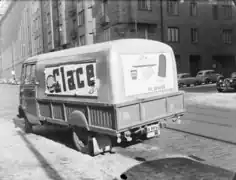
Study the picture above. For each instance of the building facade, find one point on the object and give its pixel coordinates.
(127, 19)
(201, 32)
(21, 36)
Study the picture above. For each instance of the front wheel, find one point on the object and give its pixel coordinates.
(28, 127)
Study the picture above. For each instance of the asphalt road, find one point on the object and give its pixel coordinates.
(209, 88)
(166, 157)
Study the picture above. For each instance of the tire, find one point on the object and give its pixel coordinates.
(28, 128)
(181, 85)
(81, 140)
(219, 90)
(207, 81)
(196, 83)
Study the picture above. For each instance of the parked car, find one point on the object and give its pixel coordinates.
(187, 79)
(225, 84)
(207, 76)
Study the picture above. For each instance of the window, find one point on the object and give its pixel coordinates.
(193, 8)
(107, 34)
(74, 24)
(49, 36)
(227, 11)
(82, 40)
(194, 35)
(144, 4)
(173, 34)
(215, 12)
(200, 73)
(81, 18)
(178, 62)
(104, 7)
(48, 18)
(29, 76)
(173, 7)
(227, 36)
(23, 73)
(186, 76)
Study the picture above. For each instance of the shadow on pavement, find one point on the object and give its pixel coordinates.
(49, 170)
(60, 134)
(54, 133)
(178, 168)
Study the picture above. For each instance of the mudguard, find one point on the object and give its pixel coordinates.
(32, 119)
(78, 119)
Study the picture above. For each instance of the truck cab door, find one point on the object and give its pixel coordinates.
(28, 93)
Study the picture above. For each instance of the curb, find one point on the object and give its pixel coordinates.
(212, 107)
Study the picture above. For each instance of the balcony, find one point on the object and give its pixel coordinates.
(72, 12)
(104, 20)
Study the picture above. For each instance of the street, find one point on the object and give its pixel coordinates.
(49, 154)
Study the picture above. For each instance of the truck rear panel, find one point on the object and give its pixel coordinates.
(149, 111)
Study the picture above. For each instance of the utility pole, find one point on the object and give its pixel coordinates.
(162, 21)
(13, 62)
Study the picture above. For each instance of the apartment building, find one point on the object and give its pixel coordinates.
(127, 19)
(200, 31)
(202, 34)
(37, 30)
(86, 22)
(13, 39)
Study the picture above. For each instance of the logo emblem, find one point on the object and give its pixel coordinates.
(52, 85)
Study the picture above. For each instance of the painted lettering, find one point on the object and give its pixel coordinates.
(70, 80)
(79, 72)
(56, 74)
(63, 78)
(90, 74)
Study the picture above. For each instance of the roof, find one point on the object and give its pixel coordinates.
(206, 70)
(120, 45)
(183, 73)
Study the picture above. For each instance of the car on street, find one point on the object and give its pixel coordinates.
(185, 79)
(207, 76)
(225, 84)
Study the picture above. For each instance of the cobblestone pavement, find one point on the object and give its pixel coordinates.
(46, 157)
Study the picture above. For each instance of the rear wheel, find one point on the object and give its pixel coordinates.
(219, 90)
(81, 139)
(207, 81)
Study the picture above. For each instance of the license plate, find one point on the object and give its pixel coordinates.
(152, 130)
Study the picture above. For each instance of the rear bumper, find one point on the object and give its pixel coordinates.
(140, 130)
(166, 119)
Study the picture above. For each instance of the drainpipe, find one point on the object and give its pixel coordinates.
(42, 26)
